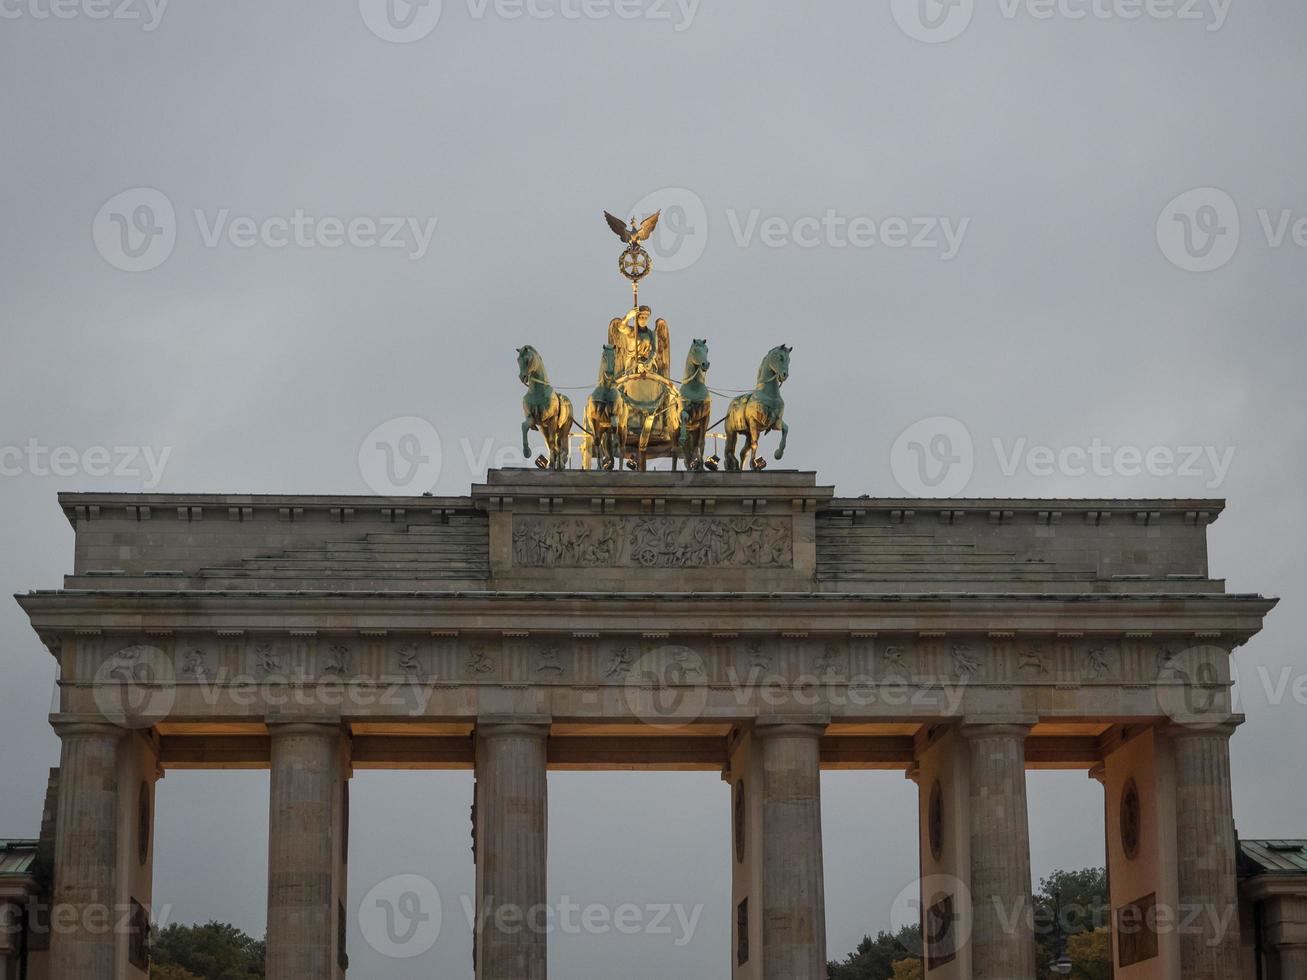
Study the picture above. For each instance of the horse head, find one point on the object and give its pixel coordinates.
(607, 366)
(776, 365)
(696, 361)
(529, 365)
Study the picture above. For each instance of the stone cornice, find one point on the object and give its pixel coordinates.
(1233, 618)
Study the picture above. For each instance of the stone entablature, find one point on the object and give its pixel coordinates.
(707, 532)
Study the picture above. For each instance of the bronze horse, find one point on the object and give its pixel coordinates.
(696, 405)
(762, 410)
(546, 411)
(601, 441)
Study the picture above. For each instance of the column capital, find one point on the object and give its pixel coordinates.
(1223, 728)
(72, 726)
(493, 726)
(319, 729)
(1013, 726)
(791, 726)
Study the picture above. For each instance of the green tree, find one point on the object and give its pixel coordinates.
(170, 972)
(214, 951)
(1082, 896)
(875, 959)
(1091, 955)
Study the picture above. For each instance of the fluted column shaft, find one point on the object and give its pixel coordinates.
(86, 853)
(1205, 841)
(1293, 962)
(511, 851)
(1002, 932)
(793, 879)
(307, 771)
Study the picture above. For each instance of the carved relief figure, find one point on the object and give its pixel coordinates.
(894, 658)
(128, 666)
(340, 662)
(688, 665)
(827, 663)
(759, 658)
(407, 659)
(195, 665)
(1033, 659)
(1096, 664)
(964, 664)
(480, 662)
(266, 660)
(547, 661)
(620, 663)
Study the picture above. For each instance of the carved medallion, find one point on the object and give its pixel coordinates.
(143, 824)
(741, 814)
(935, 821)
(1131, 820)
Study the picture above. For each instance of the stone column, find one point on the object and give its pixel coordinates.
(1002, 929)
(511, 850)
(1293, 962)
(793, 881)
(303, 850)
(83, 944)
(1206, 845)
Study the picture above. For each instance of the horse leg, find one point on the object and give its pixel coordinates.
(752, 447)
(785, 431)
(731, 464)
(526, 444)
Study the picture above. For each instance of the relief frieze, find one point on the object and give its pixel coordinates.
(653, 542)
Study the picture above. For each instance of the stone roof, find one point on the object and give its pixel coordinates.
(1272, 857)
(17, 858)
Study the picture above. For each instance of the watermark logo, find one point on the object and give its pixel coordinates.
(666, 687)
(136, 230)
(1199, 231)
(935, 457)
(401, 457)
(933, 21)
(136, 687)
(1191, 688)
(941, 905)
(401, 917)
(682, 234)
(401, 21)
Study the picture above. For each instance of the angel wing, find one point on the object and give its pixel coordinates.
(618, 226)
(615, 333)
(647, 227)
(663, 360)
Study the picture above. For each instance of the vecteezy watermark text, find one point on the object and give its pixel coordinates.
(137, 229)
(937, 457)
(149, 13)
(935, 233)
(34, 458)
(408, 21)
(939, 21)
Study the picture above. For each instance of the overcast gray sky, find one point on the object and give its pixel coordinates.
(978, 213)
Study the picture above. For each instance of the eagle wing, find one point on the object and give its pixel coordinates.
(647, 227)
(618, 226)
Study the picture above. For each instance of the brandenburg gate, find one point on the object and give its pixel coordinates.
(747, 623)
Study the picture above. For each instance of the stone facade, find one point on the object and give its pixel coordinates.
(752, 624)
